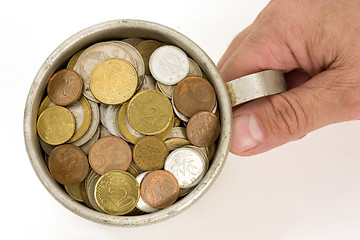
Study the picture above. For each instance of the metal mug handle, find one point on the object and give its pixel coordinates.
(256, 85)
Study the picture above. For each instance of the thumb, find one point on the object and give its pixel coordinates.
(266, 123)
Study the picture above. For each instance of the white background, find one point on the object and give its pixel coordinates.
(309, 189)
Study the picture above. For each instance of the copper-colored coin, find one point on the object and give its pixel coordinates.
(203, 129)
(150, 153)
(159, 189)
(194, 94)
(64, 87)
(109, 153)
(68, 164)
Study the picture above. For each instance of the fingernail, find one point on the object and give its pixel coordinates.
(246, 134)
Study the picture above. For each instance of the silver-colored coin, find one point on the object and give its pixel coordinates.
(169, 64)
(95, 119)
(95, 54)
(133, 41)
(77, 110)
(187, 165)
(194, 70)
(103, 131)
(103, 109)
(178, 132)
(46, 147)
(185, 191)
(142, 205)
(148, 83)
(167, 90)
(91, 190)
(140, 65)
(86, 146)
(109, 116)
(179, 114)
(132, 130)
(204, 151)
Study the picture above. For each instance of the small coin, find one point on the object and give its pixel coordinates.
(168, 90)
(159, 189)
(95, 119)
(109, 153)
(177, 121)
(194, 94)
(108, 118)
(167, 131)
(90, 189)
(194, 70)
(82, 113)
(73, 60)
(146, 48)
(178, 132)
(149, 112)
(203, 151)
(175, 143)
(150, 153)
(84, 195)
(133, 41)
(68, 164)
(75, 191)
(129, 133)
(203, 129)
(178, 113)
(169, 64)
(86, 146)
(64, 87)
(95, 54)
(132, 170)
(141, 205)
(56, 125)
(148, 83)
(117, 192)
(104, 131)
(113, 81)
(187, 165)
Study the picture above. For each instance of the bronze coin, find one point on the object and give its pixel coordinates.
(109, 153)
(159, 189)
(203, 129)
(150, 153)
(68, 164)
(194, 94)
(64, 87)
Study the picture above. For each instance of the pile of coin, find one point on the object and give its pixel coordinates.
(129, 127)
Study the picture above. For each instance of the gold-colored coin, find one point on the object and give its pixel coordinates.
(56, 125)
(117, 192)
(146, 48)
(150, 112)
(174, 143)
(75, 191)
(177, 121)
(123, 127)
(164, 135)
(132, 170)
(150, 153)
(74, 59)
(85, 124)
(83, 117)
(113, 81)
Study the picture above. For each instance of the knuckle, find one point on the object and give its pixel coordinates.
(286, 117)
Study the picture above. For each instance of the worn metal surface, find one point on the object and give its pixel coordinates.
(111, 31)
(256, 85)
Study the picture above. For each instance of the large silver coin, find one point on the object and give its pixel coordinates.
(187, 165)
(169, 64)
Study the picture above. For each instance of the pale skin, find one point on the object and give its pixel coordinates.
(317, 44)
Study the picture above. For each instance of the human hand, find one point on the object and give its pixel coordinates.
(316, 42)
